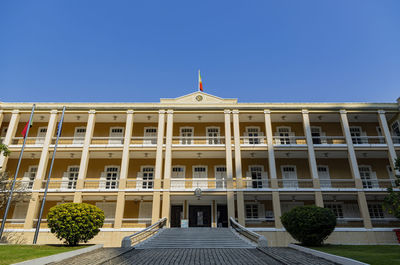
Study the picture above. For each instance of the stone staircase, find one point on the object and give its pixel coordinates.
(195, 238)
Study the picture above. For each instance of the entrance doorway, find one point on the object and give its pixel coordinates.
(222, 216)
(176, 215)
(199, 216)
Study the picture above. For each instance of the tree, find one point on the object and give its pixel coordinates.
(310, 225)
(75, 222)
(20, 191)
(392, 201)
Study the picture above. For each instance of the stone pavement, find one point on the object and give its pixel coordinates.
(272, 256)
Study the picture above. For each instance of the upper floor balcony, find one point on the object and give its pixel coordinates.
(208, 129)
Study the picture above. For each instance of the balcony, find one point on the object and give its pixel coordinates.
(347, 183)
(32, 141)
(396, 140)
(67, 141)
(198, 141)
(136, 222)
(107, 141)
(294, 184)
(194, 183)
(253, 140)
(290, 140)
(104, 185)
(329, 140)
(140, 184)
(368, 140)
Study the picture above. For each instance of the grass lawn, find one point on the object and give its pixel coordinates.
(16, 253)
(376, 254)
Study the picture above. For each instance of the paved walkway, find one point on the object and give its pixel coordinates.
(272, 256)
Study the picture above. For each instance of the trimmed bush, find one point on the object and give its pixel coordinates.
(310, 225)
(75, 222)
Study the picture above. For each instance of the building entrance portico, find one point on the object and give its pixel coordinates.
(208, 211)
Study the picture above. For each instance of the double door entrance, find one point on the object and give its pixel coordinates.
(199, 215)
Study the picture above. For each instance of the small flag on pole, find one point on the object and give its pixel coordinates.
(29, 123)
(200, 83)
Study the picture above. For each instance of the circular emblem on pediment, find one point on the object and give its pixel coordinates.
(199, 97)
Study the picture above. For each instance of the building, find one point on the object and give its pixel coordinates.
(203, 158)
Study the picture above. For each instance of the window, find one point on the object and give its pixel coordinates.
(284, 135)
(178, 172)
(186, 135)
(150, 135)
(148, 177)
(356, 135)
(199, 173)
(108, 209)
(29, 177)
(116, 135)
(72, 175)
(111, 177)
(251, 211)
(375, 211)
(316, 135)
(79, 135)
(337, 209)
(253, 135)
(324, 177)
(41, 135)
(289, 176)
(368, 177)
(213, 135)
(220, 176)
(391, 175)
(3, 132)
(256, 174)
(396, 132)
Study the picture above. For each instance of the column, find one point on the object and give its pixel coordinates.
(167, 167)
(388, 137)
(83, 166)
(12, 128)
(41, 172)
(362, 201)
(311, 159)
(238, 168)
(119, 209)
(276, 206)
(1, 117)
(229, 170)
(271, 153)
(155, 216)
(350, 149)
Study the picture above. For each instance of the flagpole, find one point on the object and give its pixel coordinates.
(198, 81)
(48, 178)
(3, 223)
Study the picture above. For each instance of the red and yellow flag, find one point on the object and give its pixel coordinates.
(200, 83)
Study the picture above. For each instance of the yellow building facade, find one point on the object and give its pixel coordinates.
(203, 159)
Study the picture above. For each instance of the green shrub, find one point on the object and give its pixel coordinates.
(310, 225)
(75, 222)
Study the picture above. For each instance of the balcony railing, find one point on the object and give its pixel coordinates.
(295, 183)
(350, 222)
(396, 139)
(253, 140)
(136, 222)
(194, 183)
(68, 140)
(337, 183)
(290, 140)
(101, 184)
(58, 184)
(29, 141)
(368, 140)
(140, 184)
(329, 140)
(102, 141)
(198, 140)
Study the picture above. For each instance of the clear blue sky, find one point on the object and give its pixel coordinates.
(256, 51)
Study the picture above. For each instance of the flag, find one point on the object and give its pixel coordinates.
(200, 83)
(29, 123)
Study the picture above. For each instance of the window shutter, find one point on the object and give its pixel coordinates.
(261, 210)
(139, 180)
(64, 180)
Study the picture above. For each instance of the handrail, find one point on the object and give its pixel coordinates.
(137, 237)
(260, 240)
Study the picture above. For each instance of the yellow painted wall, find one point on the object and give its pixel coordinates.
(368, 127)
(25, 164)
(296, 127)
(302, 167)
(329, 128)
(377, 165)
(338, 168)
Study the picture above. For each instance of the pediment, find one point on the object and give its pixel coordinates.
(199, 97)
